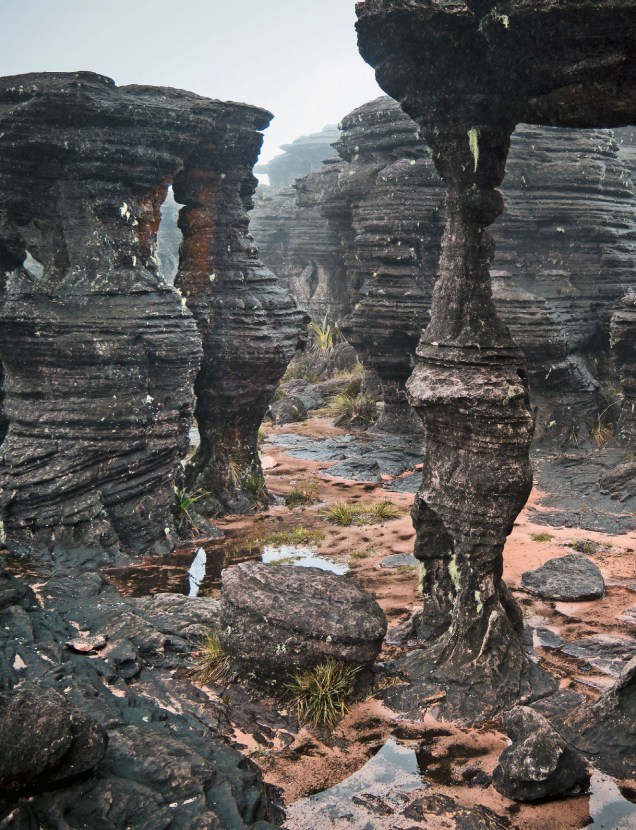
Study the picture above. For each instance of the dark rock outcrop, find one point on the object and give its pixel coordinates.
(539, 764)
(167, 763)
(99, 353)
(571, 578)
(296, 242)
(249, 324)
(467, 75)
(605, 731)
(45, 741)
(278, 619)
(564, 251)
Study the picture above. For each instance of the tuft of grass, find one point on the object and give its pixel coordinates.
(541, 537)
(321, 694)
(255, 486)
(297, 536)
(212, 661)
(406, 569)
(284, 560)
(185, 501)
(345, 514)
(352, 410)
(588, 546)
(322, 335)
(342, 513)
(382, 511)
(303, 494)
(359, 554)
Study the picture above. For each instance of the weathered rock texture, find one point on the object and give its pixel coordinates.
(249, 324)
(606, 730)
(302, 156)
(384, 198)
(565, 249)
(539, 764)
(467, 75)
(276, 620)
(99, 353)
(294, 240)
(168, 762)
(572, 578)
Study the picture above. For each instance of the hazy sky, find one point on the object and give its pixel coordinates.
(296, 58)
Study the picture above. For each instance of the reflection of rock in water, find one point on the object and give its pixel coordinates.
(196, 573)
(169, 238)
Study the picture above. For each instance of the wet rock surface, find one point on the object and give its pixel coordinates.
(539, 764)
(451, 68)
(166, 763)
(361, 460)
(276, 620)
(571, 578)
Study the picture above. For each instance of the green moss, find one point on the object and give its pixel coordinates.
(453, 572)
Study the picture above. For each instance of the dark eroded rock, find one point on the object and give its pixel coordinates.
(569, 578)
(45, 740)
(276, 619)
(539, 764)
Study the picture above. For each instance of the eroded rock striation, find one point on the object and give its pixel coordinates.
(565, 248)
(467, 75)
(99, 353)
(294, 240)
(249, 324)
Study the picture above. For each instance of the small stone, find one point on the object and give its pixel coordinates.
(399, 560)
(288, 410)
(539, 764)
(572, 578)
(85, 645)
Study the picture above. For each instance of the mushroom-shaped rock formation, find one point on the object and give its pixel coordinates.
(565, 249)
(300, 157)
(249, 324)
(99, 354)
(275, 620)
(467, 73)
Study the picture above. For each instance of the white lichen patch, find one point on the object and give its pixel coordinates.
(212, 277)
(480, 604)
(3, 533)
(148, 399)
(124, 211)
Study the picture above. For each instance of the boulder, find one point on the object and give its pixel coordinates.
(277, 619)
(539, 764)
(570, 578)
(45, 740)
(288, 410)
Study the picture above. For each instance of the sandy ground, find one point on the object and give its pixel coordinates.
(317, 760)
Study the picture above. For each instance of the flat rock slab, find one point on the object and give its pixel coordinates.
(607, 654)
(275, 620)
(572, 578)
(360, 459)
(407, 484)
(399, 560)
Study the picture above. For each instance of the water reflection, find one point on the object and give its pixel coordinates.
(196, 574)
(302, 557)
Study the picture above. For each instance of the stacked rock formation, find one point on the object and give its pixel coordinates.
(468, 74)
(100, 354)
(294, 240)
(249, 323)
(564, 254)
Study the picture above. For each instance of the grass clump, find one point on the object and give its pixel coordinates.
(304, 494)
(352, 410)
(342, 513)
(321, 694)
(541, 537)
(345, 514)
(212, 661)
(359, 554)
(297, 536)
(255, 486)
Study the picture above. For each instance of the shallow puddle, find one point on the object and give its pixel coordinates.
(198, 573)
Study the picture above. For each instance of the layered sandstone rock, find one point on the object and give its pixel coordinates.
(564, 252)
(249, 324)
(99, 353)
(468, 74)
(294, 240)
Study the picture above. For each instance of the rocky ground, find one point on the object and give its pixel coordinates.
(122, 642)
